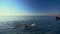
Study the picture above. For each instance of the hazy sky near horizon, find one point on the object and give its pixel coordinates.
(29, 7)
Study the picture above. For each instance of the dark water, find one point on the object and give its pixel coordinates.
(44, 25)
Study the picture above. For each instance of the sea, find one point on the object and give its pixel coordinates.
(43, 25)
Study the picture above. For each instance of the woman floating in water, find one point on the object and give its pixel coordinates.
(31, 25)
(25, 25)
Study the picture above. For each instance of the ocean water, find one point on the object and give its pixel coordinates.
(44, 25)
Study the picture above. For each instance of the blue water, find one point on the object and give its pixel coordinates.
(44, 25)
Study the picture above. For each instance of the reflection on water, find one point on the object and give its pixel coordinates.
(44, 25)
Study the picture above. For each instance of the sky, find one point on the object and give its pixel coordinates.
(29, 7)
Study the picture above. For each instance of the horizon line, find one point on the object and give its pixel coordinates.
(29, 15)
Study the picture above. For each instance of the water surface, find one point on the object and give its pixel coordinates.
(44, 25)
